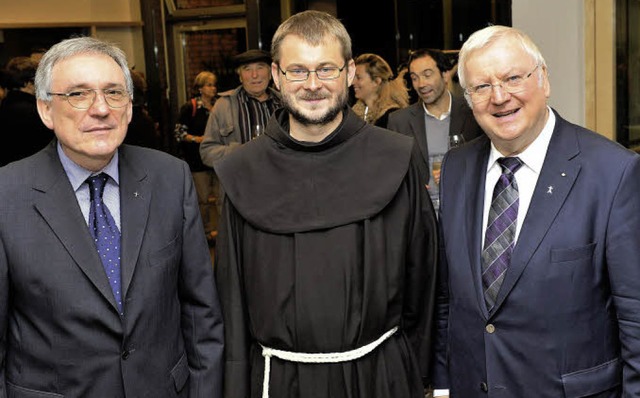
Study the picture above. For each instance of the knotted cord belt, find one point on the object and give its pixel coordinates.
(305, 357)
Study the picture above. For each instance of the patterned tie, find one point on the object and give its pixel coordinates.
(501, 230)
(105, 233)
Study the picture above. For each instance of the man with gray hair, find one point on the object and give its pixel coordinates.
(106, 284)
(540, 246)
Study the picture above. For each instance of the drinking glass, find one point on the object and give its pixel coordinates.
(258, 130)
(436, 165)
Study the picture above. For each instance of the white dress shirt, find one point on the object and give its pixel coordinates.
(526, 178)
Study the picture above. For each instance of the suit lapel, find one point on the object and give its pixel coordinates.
(475, 175)
(135, 197)
(58, 206)
(419, 128)
(560, 172)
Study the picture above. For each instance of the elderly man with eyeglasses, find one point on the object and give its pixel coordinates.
(327, 247)
(540, 272)
(106, 285)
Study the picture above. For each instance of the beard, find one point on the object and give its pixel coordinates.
(330, 115)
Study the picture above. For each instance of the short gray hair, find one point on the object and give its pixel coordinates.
(72, 47)
(489, 35)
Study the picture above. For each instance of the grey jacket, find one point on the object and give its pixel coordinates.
(221, 136)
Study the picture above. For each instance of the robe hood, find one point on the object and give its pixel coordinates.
(282, 185)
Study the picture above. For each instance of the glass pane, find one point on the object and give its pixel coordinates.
(213, 50)
(189, 4)
(628, 70)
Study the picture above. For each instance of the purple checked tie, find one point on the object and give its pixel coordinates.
(105, 234)
(501, 230)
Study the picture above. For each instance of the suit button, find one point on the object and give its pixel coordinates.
(484, 387)
(125, 355)
(490, 328)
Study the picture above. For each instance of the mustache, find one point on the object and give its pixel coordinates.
(313, 96)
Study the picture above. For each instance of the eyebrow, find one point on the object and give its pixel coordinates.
(85, 86)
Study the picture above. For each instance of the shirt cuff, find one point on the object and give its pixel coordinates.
(440, 393)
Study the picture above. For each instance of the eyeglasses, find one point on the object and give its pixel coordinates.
(83, 99)
(324, 73)
(511, 84)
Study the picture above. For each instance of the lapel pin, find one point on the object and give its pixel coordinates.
(136, 194)
(550, 189)
(563, 174)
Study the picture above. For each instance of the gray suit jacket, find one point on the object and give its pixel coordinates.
(63, 334)
(566, 321)
(410, 121)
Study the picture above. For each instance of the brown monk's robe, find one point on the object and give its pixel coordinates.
(323, 247)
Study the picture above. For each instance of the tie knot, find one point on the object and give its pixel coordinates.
(512, 164)
(96, 184)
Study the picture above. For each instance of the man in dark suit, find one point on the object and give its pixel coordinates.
(133, 313)
(436, 117)
(540, 281)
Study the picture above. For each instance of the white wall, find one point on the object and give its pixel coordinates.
(556, 26)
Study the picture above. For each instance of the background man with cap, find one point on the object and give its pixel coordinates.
(237, 112)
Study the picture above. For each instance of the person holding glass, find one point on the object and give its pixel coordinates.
(237, 112)
(436, 117)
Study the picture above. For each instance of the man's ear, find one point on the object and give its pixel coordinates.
(275, 71)
(447, 76)
(44, 110)
(351, 72)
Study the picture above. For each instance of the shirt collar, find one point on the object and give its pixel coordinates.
(243, 96)
(78, 175)
(444, 115)
(533, 156)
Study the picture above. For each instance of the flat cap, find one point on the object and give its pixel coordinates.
(251, 56)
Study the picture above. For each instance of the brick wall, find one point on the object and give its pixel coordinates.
(213, 50)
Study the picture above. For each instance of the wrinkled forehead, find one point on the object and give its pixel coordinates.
(87, 68)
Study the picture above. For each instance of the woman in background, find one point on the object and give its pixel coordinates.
(377, 92)
(188, 131)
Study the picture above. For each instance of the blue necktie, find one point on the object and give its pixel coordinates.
(501, 230)
(106, 235)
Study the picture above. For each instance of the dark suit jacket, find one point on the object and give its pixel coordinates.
(566, 322)
(64, 336)
(410, 121)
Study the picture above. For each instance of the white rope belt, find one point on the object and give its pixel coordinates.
(306, 357)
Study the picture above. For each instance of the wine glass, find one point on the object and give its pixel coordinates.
(456, 140)
(258, 130)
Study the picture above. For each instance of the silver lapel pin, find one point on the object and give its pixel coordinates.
(136, 194)
(550, 189)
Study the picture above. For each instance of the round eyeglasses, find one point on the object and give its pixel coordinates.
(83, 99)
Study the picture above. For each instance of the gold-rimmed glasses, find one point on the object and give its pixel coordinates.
(84, 98)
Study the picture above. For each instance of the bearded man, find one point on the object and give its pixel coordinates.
(327, 244)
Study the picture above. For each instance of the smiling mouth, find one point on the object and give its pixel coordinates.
(506, 113)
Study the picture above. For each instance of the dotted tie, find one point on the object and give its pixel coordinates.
(105, 234)
(501, 230)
